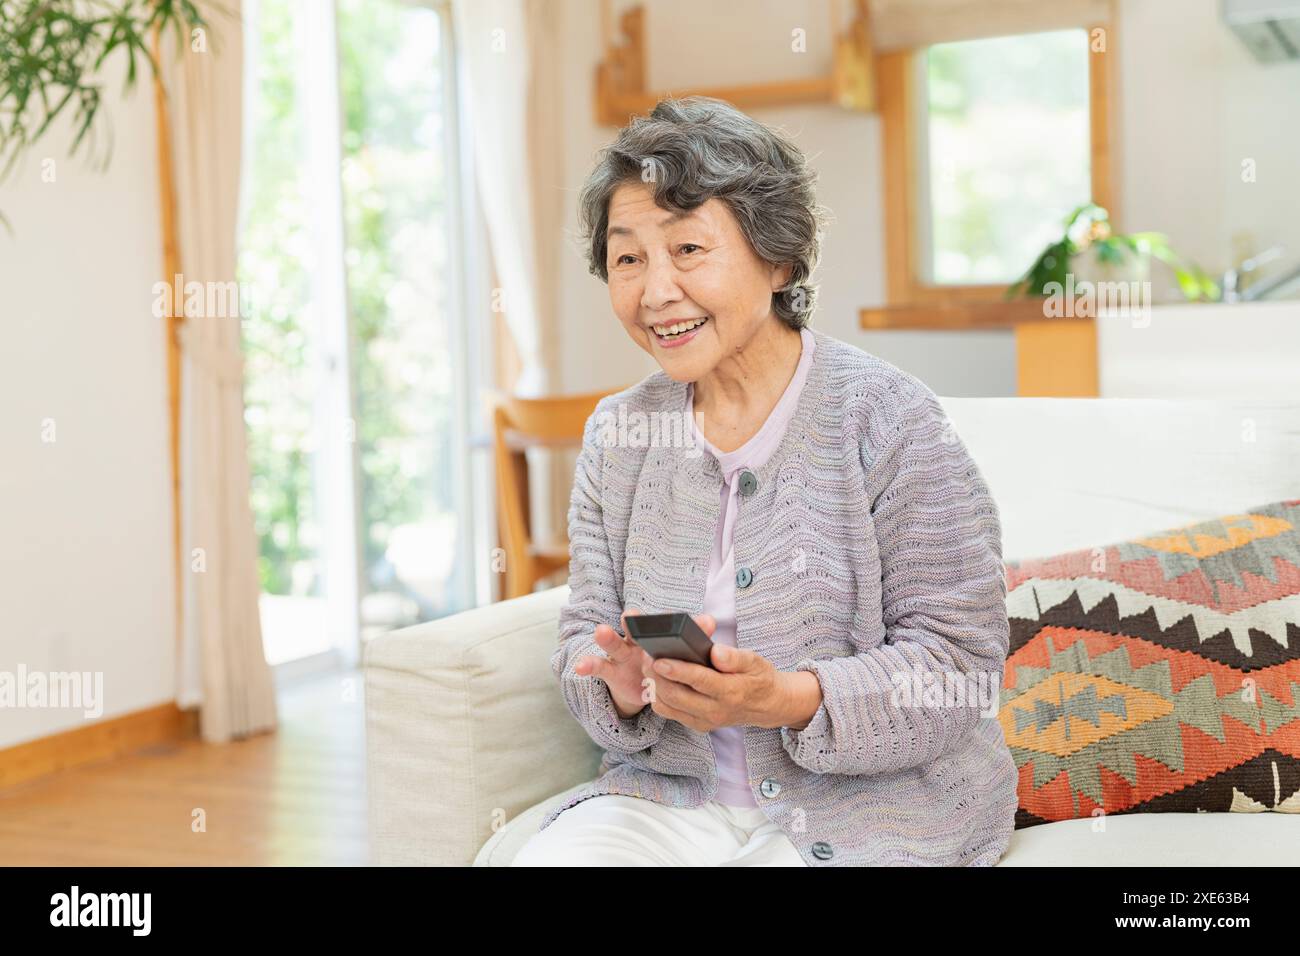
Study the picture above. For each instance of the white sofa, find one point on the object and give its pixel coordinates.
(469, 742)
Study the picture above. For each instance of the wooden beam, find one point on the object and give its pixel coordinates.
(1100, 80)
(897, 174)
(853, 70)
(171, 263)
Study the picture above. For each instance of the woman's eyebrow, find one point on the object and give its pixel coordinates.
(663, 223)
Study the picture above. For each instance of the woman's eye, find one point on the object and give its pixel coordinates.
(628, 259)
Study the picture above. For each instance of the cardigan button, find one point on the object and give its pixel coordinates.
(769, 787)
(822, 850)
(744, 578)
(748, 483)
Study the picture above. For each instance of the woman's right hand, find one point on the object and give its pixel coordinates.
(622, 671)
(627, 669)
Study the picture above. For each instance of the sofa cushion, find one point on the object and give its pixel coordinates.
(1163, 839)
(1159, 674)
(1172, 839)
(1071, 473)
(465, 728)
(502, 846)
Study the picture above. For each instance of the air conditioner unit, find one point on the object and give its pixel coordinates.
(1269, 28)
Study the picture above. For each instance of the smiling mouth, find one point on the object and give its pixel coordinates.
(671, 330)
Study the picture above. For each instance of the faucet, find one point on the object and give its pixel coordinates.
(1265, 289)
(1231, 281)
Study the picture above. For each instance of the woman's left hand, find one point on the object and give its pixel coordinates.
(742, 688)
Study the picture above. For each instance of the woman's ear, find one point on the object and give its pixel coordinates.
(781, 276)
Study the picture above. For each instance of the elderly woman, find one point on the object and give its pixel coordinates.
(821, 522)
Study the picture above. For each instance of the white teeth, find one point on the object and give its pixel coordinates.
(678, 327)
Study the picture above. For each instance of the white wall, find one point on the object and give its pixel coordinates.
(85, 521)
(1193, 103)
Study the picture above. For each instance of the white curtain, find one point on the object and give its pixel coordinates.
(497, 54)
(222, 665)
(508, 53)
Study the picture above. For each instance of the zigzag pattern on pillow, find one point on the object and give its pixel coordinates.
(1159, 674)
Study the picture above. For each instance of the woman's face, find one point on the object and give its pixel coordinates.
(672, 270)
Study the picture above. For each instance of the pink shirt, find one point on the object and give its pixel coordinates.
(720, 590)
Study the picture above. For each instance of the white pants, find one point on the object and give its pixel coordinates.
(618, 830)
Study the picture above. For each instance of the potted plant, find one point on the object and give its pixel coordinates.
(1091, 251)
(51, 52)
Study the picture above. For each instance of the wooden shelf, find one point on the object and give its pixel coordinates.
(954, 316)
(1054, 357)
(621, 88)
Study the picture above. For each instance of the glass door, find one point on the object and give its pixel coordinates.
(358, 390)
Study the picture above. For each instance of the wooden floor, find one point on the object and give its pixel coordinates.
(294, 797)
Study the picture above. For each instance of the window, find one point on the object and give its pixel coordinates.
(1004, 152)
(358, 384)
(994, 142)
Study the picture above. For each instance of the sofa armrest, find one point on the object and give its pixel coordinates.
(465, 729)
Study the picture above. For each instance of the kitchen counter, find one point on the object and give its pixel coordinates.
(1214, 351)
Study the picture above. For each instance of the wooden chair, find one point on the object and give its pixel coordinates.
(520, 424)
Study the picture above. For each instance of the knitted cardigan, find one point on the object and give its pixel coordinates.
(875, 556)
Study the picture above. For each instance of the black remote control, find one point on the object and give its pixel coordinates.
(675, 636)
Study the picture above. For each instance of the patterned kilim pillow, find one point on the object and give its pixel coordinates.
(1159, 674)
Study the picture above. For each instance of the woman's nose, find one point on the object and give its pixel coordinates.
(661, 286)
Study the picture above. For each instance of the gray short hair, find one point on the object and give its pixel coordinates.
(697, 148)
